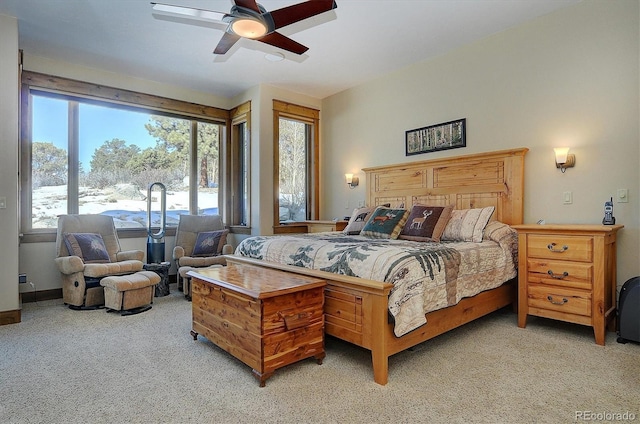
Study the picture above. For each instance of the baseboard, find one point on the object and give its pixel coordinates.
(10, 317)
(39, 295)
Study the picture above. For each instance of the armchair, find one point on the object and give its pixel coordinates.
(201, 241)
(88, 249)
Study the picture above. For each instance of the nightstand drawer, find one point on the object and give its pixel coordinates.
(577, 275)
(560, 247)
(559, 299)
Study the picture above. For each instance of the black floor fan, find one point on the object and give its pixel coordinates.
(155, 241)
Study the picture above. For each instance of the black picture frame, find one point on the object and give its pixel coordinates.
(444, 136)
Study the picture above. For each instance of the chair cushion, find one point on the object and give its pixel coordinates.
(210, 243)
(88, 246)
(112, 268)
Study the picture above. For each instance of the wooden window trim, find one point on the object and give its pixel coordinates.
(35, 81)
(310, 116)
(239, 115)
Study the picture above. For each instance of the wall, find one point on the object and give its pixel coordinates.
(570, 78)
(125, 82)
(9, 300)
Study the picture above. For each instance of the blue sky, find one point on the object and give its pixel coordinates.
(97, 125)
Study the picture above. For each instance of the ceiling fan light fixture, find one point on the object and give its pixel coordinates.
(248, 28)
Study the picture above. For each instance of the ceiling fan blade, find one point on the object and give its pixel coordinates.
(202, 14)
(248, 4)
(298, 12)
(278, 40)
(226, 42)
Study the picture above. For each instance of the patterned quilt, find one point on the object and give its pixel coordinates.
(426, 276)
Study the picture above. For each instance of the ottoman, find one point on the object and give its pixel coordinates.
(129, 294)
(186, 279)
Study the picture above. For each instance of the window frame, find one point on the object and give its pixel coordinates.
(239, 162)
(311, 117)
(74, 90)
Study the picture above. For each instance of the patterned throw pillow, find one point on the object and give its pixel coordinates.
(210, 243)
(357, 220)
(467, 224)
(385, 223)
(89, 247)
(426, 223)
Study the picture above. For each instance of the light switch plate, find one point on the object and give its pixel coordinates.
(623, 195)
(567, 197)
(3, 202)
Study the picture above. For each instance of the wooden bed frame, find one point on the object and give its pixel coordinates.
(356, 310)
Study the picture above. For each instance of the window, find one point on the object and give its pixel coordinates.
(88, 155)
(296, 162)
(239, 151)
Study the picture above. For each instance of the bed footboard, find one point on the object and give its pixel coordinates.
(356, 311)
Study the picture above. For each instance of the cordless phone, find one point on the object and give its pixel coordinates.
(608, 219)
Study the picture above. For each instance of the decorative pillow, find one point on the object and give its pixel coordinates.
(357, 220)
(467, 224)
(89, 247)
(210, 243)
(497, 231)
(426, 223)
(385, 223)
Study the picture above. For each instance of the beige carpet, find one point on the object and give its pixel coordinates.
(64, 366)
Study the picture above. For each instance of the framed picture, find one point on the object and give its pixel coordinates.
(448, 135)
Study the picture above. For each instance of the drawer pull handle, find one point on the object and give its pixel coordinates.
(558, 276)
(291, 322)
(552, 248)
(550, 299)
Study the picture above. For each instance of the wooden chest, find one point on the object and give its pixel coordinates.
(568, 273)
(265, 318)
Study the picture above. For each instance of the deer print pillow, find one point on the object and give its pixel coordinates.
(385, 223)
(426, 223)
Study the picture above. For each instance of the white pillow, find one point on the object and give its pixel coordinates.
(467, 224)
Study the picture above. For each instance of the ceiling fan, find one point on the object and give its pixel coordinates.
(248, 19)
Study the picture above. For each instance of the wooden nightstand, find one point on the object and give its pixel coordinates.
(322, 226)
(309, 227)
(568, 273)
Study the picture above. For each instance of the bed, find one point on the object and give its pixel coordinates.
(360, 306)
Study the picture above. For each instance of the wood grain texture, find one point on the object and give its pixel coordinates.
(568, 273)
(356, 309)
(265, 318)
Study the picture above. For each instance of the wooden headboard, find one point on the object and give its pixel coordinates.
(470, 181)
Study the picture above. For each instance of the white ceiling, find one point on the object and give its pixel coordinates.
(357, 42)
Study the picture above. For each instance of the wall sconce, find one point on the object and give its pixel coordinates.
(352, 181)
(564, 160)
